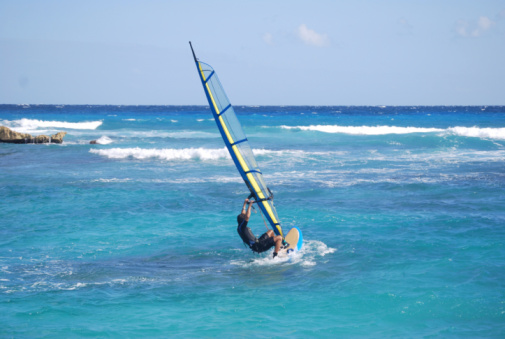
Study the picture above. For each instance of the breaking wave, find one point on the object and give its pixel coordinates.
(485, 133)
(29, 125)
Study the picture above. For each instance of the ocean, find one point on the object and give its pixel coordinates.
(401, 209)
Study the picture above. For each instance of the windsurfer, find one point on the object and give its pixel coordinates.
(265, 242)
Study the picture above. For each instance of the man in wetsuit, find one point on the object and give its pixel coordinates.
(265, 242)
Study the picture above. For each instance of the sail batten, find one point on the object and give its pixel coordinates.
(236, 142)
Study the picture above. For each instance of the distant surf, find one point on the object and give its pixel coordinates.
(485, 133)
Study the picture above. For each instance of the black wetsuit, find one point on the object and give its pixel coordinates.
(264, 243)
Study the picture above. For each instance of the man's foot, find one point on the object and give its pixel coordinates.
(285, 244)
(275, 254)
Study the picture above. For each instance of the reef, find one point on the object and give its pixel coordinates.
(9, 136)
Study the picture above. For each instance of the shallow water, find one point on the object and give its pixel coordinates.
(401, 210)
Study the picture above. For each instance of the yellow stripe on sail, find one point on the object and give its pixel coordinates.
(240, 159)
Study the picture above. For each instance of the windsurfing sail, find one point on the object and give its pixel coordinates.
(236, 142)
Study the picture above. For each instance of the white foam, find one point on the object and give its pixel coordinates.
(164, 154)
(477, 132)
(318, 247)
(31, 125)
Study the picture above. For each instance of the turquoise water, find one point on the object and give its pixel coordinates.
(401, 210)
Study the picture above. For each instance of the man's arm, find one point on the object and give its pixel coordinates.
(248, 214)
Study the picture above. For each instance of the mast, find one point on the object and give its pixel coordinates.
(194, 56)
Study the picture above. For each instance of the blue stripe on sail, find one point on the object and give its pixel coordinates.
(238, 142)
(210, 76)
(225, 109)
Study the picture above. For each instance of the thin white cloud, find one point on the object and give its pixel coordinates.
(311, 37)
(404, 26)
(474, 29)
(268, 39)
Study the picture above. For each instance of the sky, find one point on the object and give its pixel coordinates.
(361, 52)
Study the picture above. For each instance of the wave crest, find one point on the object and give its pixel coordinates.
(476, 132)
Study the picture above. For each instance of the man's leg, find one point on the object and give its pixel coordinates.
(278, 244)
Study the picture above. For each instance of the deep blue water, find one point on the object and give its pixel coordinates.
(402, 210)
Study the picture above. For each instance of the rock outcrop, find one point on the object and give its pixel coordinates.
(10, 136)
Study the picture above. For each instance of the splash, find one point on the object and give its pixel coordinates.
(310, 254)
(104, 140)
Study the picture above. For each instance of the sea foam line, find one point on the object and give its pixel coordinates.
(163, 154)
(364, 130)
(485, 133)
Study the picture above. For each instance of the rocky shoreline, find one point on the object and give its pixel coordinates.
(9, 136)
